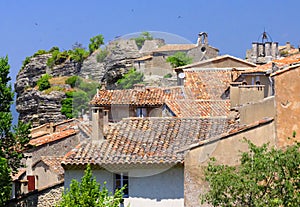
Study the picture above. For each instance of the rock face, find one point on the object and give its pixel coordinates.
(35, 106)
(38, 108)
(119, 60)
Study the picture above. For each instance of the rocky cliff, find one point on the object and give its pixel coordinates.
(39, 107)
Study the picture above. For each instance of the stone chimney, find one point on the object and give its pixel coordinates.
(202, 39)
(99, 123)
(288, 46)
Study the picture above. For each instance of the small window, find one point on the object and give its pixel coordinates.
(141, 112)
(120, 181)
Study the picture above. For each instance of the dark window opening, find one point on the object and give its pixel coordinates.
(120, 181)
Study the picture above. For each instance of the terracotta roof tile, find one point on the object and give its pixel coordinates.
(199, 108)
(175, 47)
(52, 137)
(147, 140)
(209, 83)
(137, 97)
(281, 63)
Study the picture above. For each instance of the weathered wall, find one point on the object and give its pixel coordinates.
(199, 53)
(226, 151)
(244, 94)
(250, 113)
(47, 197)
(287, 99)
(45, 175)
(147, 186)
(57, 148)
(264, 80)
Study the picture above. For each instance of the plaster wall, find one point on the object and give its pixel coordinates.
(287, 99)
(157, 187)
(226, 151)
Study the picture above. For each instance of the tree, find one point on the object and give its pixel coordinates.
(142, 38)
(129, 79)
(12, 142)
(43, 82)
(266, 177)
(179, 59)
(89, 193)
(95, 43)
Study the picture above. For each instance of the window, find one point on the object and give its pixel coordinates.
(141, 112)
(121, 180)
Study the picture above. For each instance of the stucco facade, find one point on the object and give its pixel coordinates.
(287, 99)
(149, 186)
(226, 150)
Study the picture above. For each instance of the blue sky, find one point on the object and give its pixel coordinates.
(27, 26)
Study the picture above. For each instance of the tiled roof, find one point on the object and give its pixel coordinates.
(18, 174)
(54, 163)
(52, 137)
(175, 47)
(209, 83)
(147, 141)
(137, 97)
(199, 108)
(212, 60)
(281, 63)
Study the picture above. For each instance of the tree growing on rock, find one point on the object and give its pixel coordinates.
(89, 193)
(266, 177)
(142, 38)
(95, 43)
(129, 79)
(12, 142)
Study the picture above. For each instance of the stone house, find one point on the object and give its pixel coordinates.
(155, 63)
(142, 153)
(263, 119)
(43, 169)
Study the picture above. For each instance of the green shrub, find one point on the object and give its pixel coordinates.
(78, 54)
(40, 52)
(179, 59)
(169, 75)
(74, 103)
(43, 83)
(73, 80)
(102, 55)
(53, 88)
(129, 79)
(53, 49)
(25, 62)
(95, 43)
(142, 38)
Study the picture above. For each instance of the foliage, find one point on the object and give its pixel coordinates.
(169, 75)
(43, 82)
(78, 54)
(95, 43)
(102, 55)
(142, 38)
(77, 100)
(89, 193)
(129, 79)
(266, 177)
(12, 143)
(179, 59)
(53, 88)
(73, 80)
(39, 52)
(25, 62)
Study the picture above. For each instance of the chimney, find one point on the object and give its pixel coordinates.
(103, 86)
(99, 123)
(288, 46)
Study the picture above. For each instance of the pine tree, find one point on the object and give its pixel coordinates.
(12, 142)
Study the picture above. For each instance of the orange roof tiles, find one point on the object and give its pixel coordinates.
(147, 97)
(52, 137)
(281, 63)
(209, 83)
(199, 108)
(175, 47)
(147, 140)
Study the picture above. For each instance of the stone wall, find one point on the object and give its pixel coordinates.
(47, 197)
